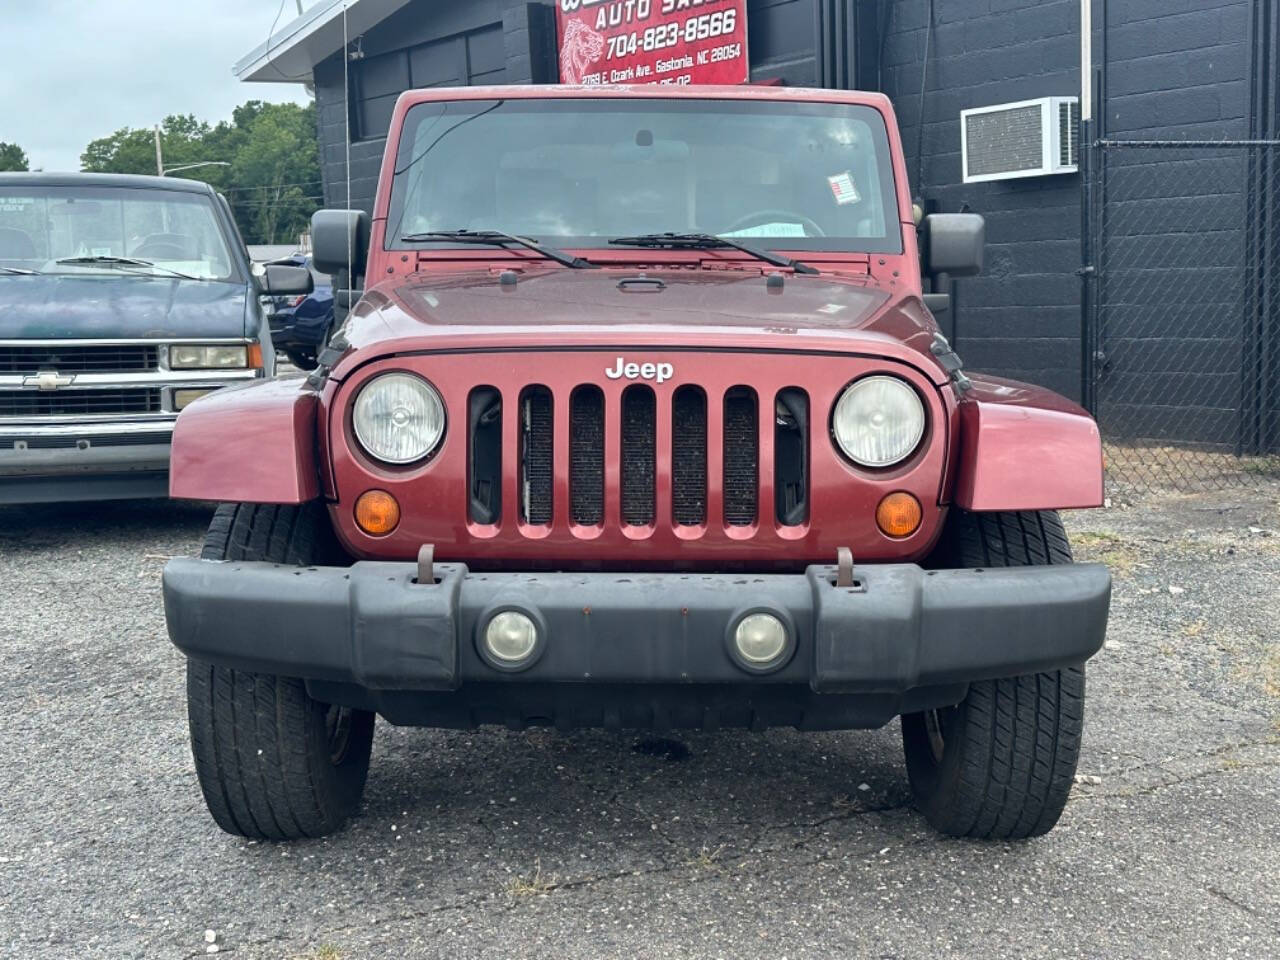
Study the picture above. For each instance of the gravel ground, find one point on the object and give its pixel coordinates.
(592, 845)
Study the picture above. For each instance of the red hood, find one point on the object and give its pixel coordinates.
(696, 308)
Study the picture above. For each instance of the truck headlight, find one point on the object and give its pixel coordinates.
(398, 418)
(878, 421)
(196, 356)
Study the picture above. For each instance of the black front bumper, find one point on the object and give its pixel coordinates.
(901, 635)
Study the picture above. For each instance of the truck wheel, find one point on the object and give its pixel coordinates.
(273, 763)
(999, 765)
(302, 357)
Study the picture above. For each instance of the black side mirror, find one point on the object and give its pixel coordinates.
(340, 239)
(280, 280)
(952, 243)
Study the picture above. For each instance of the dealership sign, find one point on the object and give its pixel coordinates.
(652, 41)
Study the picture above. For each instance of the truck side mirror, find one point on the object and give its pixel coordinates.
(340, 238)
(285, 280)
(952, 243)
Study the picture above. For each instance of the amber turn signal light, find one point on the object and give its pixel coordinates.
(377, 513)
(899, 515)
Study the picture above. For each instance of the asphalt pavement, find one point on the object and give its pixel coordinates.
(596, 845)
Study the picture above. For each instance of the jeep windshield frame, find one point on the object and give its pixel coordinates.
(578, 172)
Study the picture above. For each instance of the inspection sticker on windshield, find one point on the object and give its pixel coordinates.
(844, 188)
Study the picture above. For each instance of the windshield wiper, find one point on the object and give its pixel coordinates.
(20, 271)
(497, 238)
(709, 241)
(123, 263)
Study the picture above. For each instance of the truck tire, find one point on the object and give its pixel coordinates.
(273, 763)
(999, 765)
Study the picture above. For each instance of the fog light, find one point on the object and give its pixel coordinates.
(511, 638)
(761, 640)
(377, 513)
(184, 398)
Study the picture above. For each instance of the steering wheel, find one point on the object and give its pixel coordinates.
(759, 217)
(160, 250)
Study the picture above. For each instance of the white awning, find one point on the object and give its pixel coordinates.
(296, 47)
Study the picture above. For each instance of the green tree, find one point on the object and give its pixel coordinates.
(272, 181)
(277, 167)
(12, 157)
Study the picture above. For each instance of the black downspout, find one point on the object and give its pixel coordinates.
(1092, 178)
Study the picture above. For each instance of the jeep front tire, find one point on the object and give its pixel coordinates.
(1000, 764)
(274, 763)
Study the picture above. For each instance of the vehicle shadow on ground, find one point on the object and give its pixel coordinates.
(42, 525)
(614, 799)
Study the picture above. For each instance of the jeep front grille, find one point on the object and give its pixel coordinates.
(54, 403)
(67, 359)
(642, 428)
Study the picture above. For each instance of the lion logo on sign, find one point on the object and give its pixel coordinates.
(582, 47)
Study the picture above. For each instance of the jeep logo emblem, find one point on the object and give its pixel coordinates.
(659, 372)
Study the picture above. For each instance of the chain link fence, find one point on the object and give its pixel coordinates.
(1185, 331)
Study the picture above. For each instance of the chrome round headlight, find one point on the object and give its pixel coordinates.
(878, 421)
(398, 418)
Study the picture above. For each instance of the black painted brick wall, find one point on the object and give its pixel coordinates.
(530, 57)
(1176, 68)
(1021, 318)
(1173, 279)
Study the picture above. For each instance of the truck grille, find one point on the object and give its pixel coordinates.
(30, 360)
(641, 431)
(54, 403)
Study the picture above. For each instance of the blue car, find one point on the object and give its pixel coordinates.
(301, 326)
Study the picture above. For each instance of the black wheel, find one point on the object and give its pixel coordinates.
(303, 358)
(999, 765)
(273, 763)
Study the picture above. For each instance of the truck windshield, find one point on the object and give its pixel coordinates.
(578, 173)
(85, 227)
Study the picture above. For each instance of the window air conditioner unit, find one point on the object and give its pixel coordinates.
(1033, 138)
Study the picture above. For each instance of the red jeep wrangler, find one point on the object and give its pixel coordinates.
(641, 422)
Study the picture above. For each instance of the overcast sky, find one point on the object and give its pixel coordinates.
(75, 70)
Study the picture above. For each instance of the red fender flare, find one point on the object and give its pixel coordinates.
(1023, 447)
(250, 444)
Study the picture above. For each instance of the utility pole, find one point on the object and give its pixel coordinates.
(159, 154)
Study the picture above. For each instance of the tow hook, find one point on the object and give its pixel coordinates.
(427, 565)
(844, 568)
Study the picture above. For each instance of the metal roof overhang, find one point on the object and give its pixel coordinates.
(295, 48)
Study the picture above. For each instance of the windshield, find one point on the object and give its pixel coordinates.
(176, 231)
(783, 175)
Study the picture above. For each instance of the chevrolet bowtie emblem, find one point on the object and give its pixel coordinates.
(49, 380)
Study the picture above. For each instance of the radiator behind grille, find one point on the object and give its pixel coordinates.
(689, 457)
(639, 462)
(586, 456)
(536, 424)
(58, 403)
(76, 358)
(741, 457)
